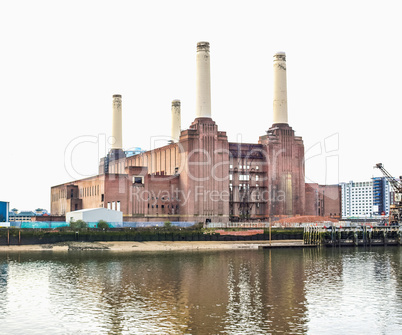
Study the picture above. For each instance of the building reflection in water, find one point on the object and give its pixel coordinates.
(230, 292)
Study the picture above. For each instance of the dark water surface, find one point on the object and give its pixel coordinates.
(290, 291)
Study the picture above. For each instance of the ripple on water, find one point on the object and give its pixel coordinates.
(243, 292)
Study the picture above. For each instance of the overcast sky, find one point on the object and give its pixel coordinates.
(61, 62)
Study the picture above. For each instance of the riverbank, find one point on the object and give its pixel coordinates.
(153, 246)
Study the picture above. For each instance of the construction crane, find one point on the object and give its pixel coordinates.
(395, 210)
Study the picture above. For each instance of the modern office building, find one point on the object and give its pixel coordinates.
(4, 209)
(382, 196)
(366, 199)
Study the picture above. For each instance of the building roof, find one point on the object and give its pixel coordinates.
(94, 209)
(24, 213)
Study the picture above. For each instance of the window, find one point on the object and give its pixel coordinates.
(138, 180)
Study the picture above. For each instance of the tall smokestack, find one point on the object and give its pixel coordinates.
(280, 92)
(176, 120)
(203, 81)
(117, 123)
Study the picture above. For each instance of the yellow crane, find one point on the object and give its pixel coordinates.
(395, 210)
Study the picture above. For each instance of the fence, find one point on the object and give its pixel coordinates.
(46, 236)
(59, 224)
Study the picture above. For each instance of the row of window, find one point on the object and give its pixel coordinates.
(243, 167)
(89, 191)
(242, 186)
(163, 206)
(114, 205)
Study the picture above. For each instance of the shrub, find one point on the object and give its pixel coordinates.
(78, 224)
(102, 224)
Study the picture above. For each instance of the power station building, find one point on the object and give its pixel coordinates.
(199, 176)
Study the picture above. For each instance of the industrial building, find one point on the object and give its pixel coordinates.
(323, 200)
(200, 176)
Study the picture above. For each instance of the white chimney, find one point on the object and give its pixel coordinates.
(117, 142)
(280, 107)
(176, 120)
(203, 81)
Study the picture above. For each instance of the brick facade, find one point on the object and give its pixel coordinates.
(202, 177)
(323, 200)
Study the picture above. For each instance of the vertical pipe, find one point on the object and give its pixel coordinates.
(176, 120)
(280, 101)
(203, 81)
(117, 123)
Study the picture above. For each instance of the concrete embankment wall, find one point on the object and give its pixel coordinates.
(45, 236)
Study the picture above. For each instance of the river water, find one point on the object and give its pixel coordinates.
(290, 291)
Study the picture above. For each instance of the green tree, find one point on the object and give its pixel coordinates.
(103, 224)
(167, 224)
(78, 224)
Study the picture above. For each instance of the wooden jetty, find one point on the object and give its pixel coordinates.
(352, 236)
(287, 244)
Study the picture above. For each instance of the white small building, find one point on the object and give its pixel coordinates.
(95, 215)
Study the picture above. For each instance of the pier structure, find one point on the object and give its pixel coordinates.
(352, 236)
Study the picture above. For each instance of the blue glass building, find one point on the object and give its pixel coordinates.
(381, 196)
(4, 211)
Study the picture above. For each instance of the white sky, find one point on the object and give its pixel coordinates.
(61, 62)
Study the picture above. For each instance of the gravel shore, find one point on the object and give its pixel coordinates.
(150, 246)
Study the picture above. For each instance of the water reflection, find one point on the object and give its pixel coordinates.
(310, 291)
(357, 291)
